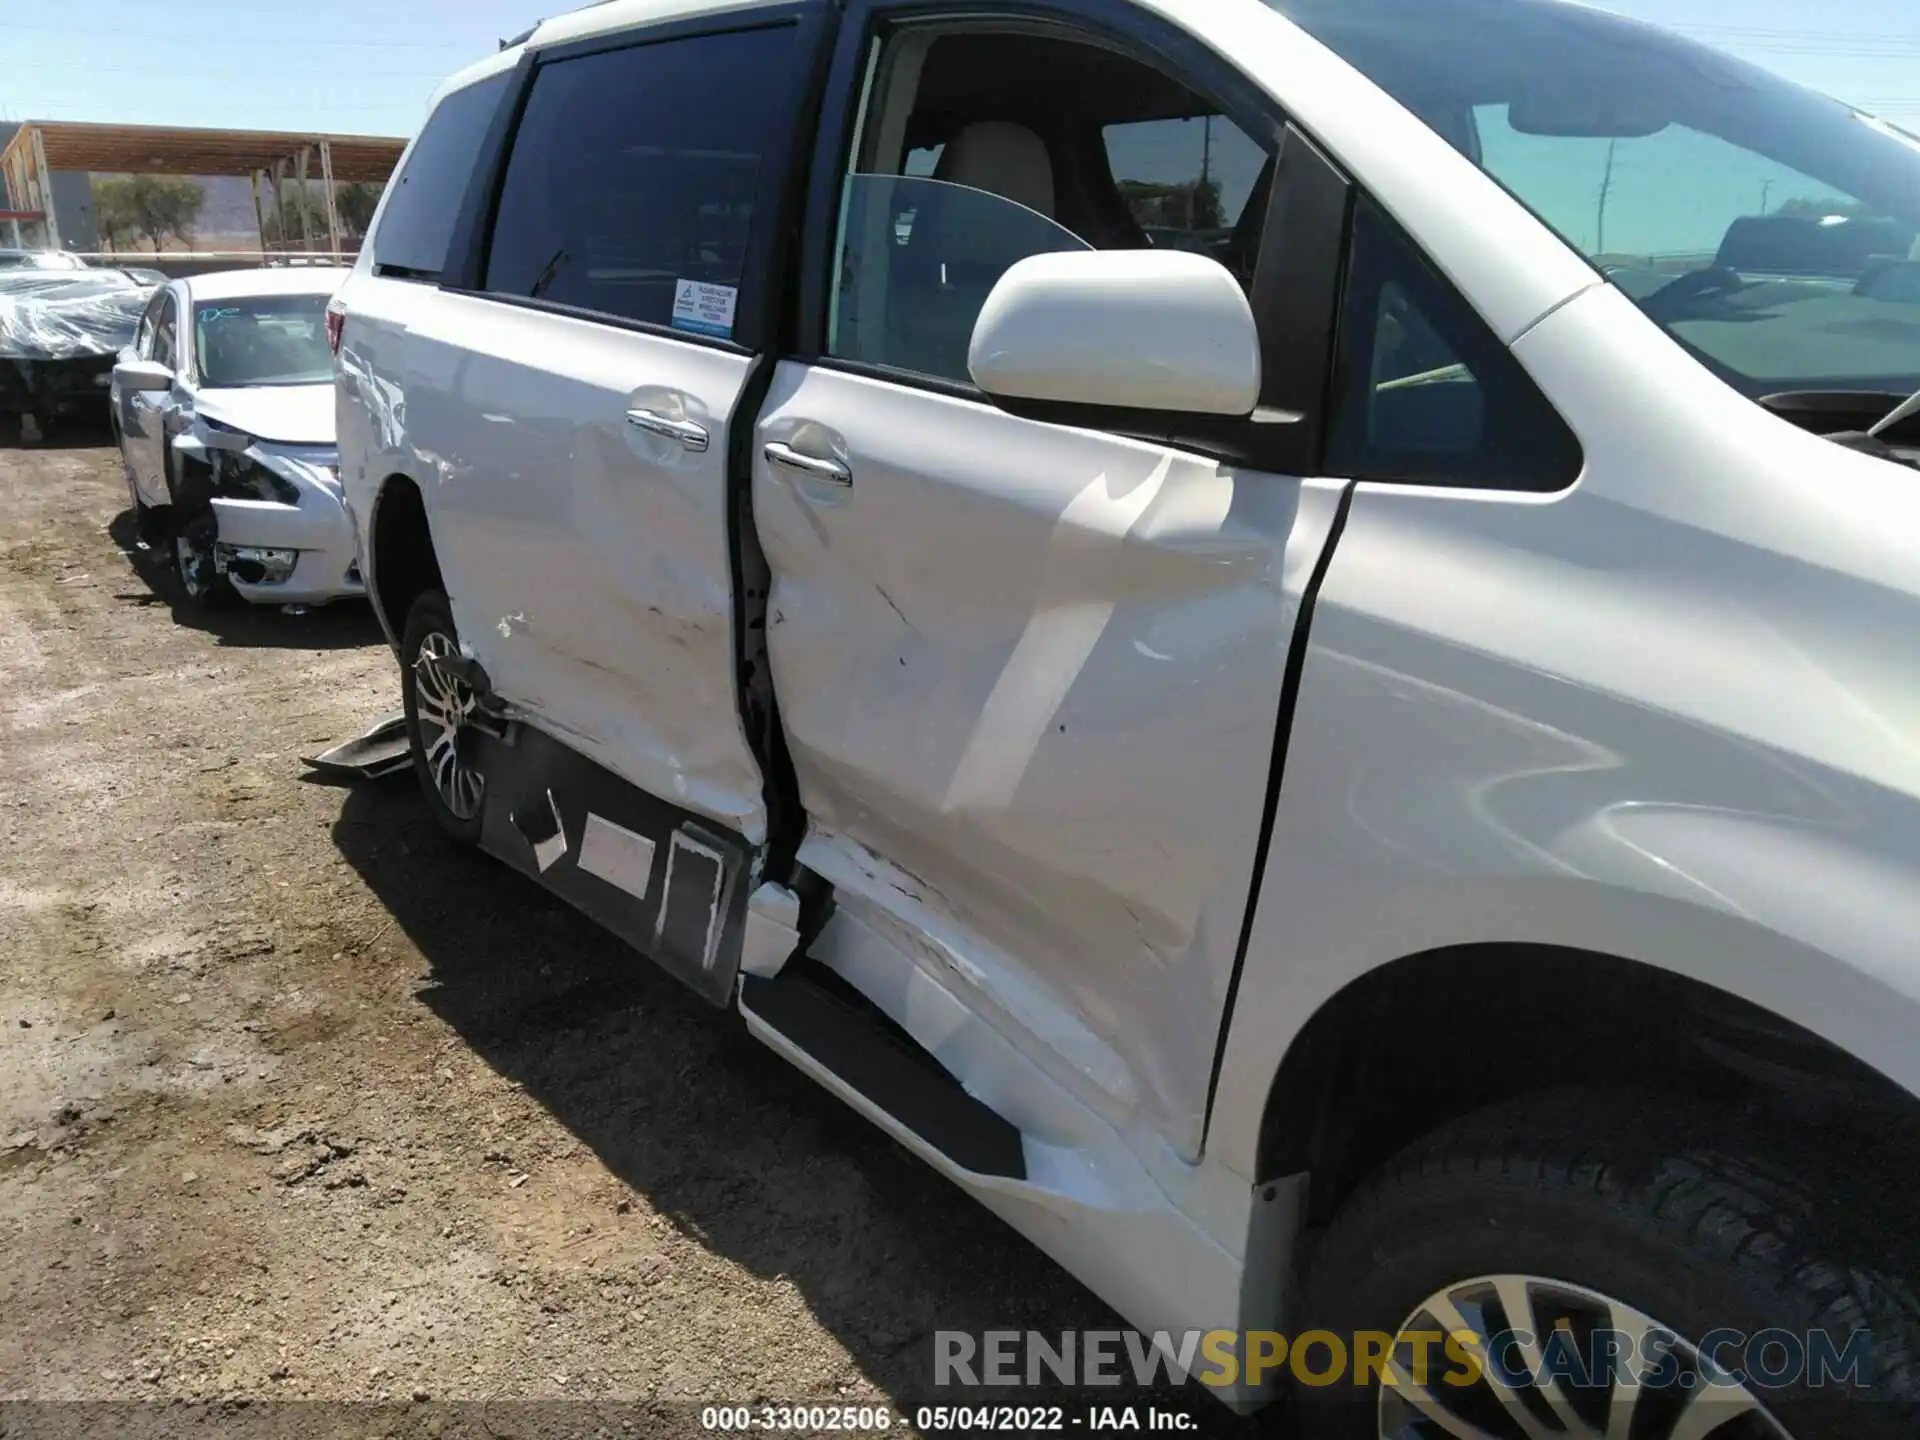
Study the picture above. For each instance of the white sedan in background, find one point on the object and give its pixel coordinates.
(223, 409)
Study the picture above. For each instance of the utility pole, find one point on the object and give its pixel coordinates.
(1606, 185)
(1206, 157)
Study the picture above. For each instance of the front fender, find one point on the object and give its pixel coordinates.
(1435, 797)
(1669, 714)
(1866, 1002)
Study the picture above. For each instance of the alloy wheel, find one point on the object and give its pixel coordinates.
(194, 562)
(445, 703)
(1555, 1361)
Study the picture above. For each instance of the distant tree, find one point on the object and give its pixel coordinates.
(1192, 205)
(154, 208)
(354, 203)
(112, 216)
(1207, 211)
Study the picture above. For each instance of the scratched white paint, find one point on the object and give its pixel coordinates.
(1052, 649)
(1035, 671)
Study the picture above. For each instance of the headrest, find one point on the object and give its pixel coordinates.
(1003, 159)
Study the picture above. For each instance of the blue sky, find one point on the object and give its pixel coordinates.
(367, 66)
(350, 66)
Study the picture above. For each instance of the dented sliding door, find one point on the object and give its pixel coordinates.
(1030, 677)
(577, 393)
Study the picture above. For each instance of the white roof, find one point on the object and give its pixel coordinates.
(599, 18)
(619, 14)
(276, 280)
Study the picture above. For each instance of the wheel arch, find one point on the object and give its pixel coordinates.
(401, 560)
(1428, 1037)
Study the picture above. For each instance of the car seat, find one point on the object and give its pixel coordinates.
(961, 245)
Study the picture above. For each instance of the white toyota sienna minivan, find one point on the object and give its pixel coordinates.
(1281, 634)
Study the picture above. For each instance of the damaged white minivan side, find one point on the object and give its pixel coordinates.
(1136, 584)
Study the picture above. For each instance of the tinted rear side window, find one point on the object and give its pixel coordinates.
(424, 200)
(630, 189)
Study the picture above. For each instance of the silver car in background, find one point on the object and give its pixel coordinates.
(223, 411)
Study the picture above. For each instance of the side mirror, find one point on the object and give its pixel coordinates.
(1119, 329)
(142, 375)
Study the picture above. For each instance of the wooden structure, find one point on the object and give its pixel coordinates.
(40, 149)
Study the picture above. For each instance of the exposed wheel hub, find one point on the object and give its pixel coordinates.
(445, 704)
(194, 562)
(1553, 1361)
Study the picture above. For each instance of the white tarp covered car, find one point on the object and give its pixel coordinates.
(61, 327)
(223, 409)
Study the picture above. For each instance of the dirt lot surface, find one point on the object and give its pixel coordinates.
(297, 1102)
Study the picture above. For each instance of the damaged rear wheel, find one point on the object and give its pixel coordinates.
(440, 707)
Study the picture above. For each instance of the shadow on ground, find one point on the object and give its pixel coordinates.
(723, 1138)
(69, 432)
(345, 624)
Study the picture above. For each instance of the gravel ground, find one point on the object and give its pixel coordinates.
(298, 1103)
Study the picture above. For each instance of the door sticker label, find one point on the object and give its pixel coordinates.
(702, 308)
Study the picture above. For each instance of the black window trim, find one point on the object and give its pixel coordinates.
(761, 281)
(1381, 471)
(604, 318)
(169, 310)
(1295, 381)
(149, 324)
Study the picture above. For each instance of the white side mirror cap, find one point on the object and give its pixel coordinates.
(142, 375)
(1120, 329)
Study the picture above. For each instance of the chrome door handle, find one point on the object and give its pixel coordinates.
(834, 472)
(685, 432)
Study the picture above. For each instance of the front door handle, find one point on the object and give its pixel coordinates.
(693, 437)
(834, 472)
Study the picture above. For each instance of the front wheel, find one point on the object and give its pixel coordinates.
(1585, 1266)
(440, 707)
(201, 584)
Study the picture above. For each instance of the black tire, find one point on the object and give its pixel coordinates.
(430, 617)
(201, 586)
(1682, 1214)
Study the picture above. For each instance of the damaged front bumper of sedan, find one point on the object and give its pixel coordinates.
(254, 564)
(282, 535)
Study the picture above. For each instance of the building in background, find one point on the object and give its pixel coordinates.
(169, 191)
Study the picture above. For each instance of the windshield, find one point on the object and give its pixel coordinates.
(1772, 231)
(266, 340)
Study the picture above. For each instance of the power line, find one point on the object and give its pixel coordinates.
(1865, 45)
(1774, 33)
(1839, 50)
